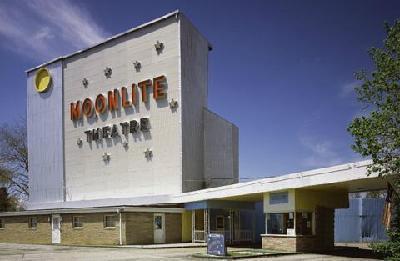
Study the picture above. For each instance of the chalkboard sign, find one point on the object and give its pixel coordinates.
(216, 245)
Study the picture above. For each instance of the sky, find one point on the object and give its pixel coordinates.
(282, 71)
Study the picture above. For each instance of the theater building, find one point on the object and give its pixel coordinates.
(123, 150)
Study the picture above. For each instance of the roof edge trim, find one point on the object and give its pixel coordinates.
(154, 21)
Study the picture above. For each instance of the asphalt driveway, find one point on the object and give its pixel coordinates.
(50, 252)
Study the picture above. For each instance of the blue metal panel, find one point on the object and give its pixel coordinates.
(348, 223)
(361, 222)
(196, 205)
(45, 139)
(225, 204)
(371, 226)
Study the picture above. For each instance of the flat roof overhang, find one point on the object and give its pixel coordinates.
(351, 177)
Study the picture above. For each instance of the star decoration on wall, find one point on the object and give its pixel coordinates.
(85, 82)
(148, 153)
(159, 47)
(137, 65)
(107, 72)
(106, 156)
(173, 104)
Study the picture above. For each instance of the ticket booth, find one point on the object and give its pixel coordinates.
(301, 220)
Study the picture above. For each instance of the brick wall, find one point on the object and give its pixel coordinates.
(92, 232)
(173, 228)
(17, 231)
(280, 243)
(139, 228)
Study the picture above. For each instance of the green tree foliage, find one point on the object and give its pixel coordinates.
(377, 135)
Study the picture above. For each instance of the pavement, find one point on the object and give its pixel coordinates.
(12, 252)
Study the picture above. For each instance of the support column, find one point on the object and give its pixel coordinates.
(120, 227)
(193, 225)
(254, 226)
(206, 224)
(231, 225)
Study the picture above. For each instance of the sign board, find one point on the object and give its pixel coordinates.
(290, 232)
(216, 245)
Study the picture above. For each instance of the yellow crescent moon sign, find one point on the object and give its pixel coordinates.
(42, 80)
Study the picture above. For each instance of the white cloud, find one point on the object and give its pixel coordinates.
(321, 153)
(73, 22)
(43, 29)
(348, 89)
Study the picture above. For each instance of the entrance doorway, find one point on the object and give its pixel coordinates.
(159, 228)
(55, 229)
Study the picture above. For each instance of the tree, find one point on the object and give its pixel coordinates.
(14, 159)
(377, 135)
(7, 203)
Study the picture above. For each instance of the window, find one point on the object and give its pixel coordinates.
(77, 222)
(278, 198)
(279, 223)
(32, 222)
(110, 221)
(2, 223)
(158, 222)
(220, 222)
(304, 223)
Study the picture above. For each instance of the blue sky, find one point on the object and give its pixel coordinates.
(282, 71)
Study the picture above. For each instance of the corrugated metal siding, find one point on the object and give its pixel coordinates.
(361, 222)
(45, 139)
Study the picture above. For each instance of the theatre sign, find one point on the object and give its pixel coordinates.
(115, 100)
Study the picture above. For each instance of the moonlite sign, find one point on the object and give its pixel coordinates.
(114, 101)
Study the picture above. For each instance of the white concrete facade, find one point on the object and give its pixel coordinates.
(220, 151)
(176, 137)
(128, 172)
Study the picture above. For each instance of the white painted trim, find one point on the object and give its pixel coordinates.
(92, 210)
(120, 228)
